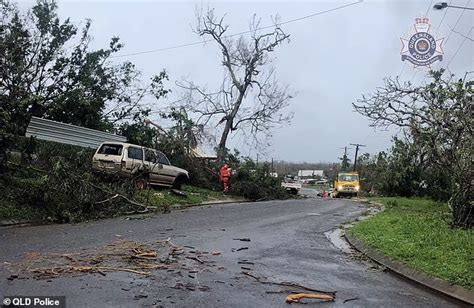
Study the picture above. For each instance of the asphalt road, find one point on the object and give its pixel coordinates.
(287, 244)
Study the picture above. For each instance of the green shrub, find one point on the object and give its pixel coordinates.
(56, 182)
(255, 183)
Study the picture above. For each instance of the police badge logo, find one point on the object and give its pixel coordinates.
(421, 48)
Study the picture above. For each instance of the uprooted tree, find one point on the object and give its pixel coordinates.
(250, 99)
(47, 69)
(438, 118)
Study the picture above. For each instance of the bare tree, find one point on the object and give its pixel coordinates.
(438, 117)
(250, 99)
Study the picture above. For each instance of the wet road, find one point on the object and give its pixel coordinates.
(287, 244)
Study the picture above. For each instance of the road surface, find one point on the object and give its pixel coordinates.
(287, 243)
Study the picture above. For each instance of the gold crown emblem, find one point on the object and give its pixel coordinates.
(422, 20)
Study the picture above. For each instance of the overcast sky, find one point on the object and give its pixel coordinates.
(331, 60)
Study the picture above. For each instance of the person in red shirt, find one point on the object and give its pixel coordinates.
(224, 176)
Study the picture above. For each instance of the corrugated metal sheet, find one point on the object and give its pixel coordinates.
(310, 173)
(69, 134)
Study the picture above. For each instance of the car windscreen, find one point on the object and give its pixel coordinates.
(162, 159)
(348, 177)
(111, 149)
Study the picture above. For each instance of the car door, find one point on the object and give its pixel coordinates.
(167, 172)
(153, 166)
(134, 160)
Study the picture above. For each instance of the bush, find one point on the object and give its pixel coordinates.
(255, 183)
(56, 181)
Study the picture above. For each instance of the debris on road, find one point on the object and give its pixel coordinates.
(295, 298)
(138, 296)
(245, 262)
(118, 256)
(12, 277)
(245, 239)
(216, 253)
(196, 259)
(350, 299)
(288, 284)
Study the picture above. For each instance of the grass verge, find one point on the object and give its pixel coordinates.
(163, 198)
(416, 232)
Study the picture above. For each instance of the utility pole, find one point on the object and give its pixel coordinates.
(357, 145)
(345, 160)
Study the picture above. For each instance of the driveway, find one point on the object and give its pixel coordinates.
(287, 244)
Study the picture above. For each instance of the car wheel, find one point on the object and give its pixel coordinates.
(178, 182)
(140, 183)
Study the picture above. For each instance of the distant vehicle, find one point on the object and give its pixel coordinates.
(346, 184)
(146, 166)
(315, 181)
(292, 186)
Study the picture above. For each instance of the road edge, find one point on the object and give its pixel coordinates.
(24, 223)
(434, 284)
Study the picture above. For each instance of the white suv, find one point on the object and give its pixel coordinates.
(146, 166)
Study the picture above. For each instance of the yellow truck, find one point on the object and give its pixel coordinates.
(346, 184)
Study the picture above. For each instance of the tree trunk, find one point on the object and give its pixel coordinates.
(461, 200)
(221, 150)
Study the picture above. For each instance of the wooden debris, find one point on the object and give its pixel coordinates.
(295, 298)
(118, 256)
(245, 239)
(350, 299)
(288, 284)
(196, 259)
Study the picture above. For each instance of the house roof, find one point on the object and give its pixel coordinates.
(310, 173)
(199, 153)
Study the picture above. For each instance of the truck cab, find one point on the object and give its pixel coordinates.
(346, 184)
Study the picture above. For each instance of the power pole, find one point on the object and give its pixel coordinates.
(357, 145)
(345, 160)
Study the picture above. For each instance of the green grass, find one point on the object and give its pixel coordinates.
(195, 195)
(417, 233)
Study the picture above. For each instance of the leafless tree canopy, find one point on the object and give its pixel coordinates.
(249, 98)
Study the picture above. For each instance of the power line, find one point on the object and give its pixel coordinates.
(437, 29)
(457, 22)
(460, 46)
(240, 33)
(450, 33)
(444, 15)
(428, 9)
